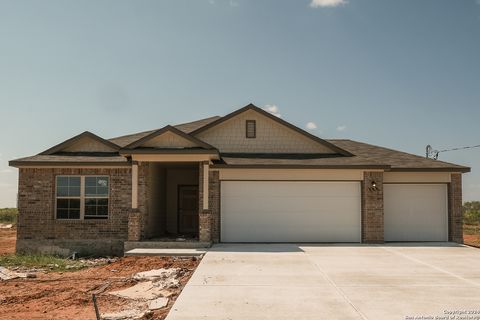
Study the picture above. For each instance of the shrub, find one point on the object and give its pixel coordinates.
(8, 215)
(471, 212)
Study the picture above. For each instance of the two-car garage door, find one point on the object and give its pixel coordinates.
(290, 211)
(313, 211)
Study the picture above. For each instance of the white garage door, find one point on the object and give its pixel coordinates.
(278, 211)
(415, 212)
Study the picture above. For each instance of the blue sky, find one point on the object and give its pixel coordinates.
(400, 74)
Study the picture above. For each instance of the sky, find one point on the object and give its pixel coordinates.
(399, 74)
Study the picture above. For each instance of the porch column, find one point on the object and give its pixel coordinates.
(135, 185)
(204, 215)
(205, 185)
(134, 222)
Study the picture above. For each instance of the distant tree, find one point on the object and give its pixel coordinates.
(471, 212)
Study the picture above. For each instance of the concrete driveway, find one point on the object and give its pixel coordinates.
(285, 281)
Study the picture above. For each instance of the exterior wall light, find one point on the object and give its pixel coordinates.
(373, 186)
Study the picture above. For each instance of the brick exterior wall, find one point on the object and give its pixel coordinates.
(455, 210)
(372, 208)
(214, 203)
(36, 205)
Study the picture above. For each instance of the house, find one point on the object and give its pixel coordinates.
(248, 176)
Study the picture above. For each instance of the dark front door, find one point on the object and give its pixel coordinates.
(188, 210)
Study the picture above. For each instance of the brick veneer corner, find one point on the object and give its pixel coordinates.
(372, 208)
(455, 210)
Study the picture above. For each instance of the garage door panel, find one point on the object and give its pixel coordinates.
(415, 212)
(289, 204)
(263, 211)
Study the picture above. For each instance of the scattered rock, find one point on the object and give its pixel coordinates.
(141, 291)
(156, 273)
(125, 314)
(6, 274)
(6, 226)
(157, 303)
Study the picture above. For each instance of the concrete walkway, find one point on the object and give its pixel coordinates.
(276, 281)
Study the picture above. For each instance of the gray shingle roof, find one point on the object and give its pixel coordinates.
(365, 156)
(188, 127)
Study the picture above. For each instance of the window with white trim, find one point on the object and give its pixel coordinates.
(82, 197)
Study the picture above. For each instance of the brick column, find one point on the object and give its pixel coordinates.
(455, 210)
(214, 203)
(372, 207)
(205, 225)
(134, 225)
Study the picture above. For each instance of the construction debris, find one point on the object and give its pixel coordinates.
(157, 303)
(130, 314)
(151, 293)
(6, 274)
(6, 226)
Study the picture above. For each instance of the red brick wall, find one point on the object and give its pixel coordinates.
(36, 205)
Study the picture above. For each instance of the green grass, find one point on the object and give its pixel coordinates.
(471, 229)
(8, 215)
(47, 262)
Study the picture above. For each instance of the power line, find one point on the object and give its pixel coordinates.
(433, 154)
(459, 148)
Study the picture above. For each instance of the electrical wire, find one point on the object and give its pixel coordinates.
(459, 148)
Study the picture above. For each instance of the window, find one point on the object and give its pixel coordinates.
(82, 197)
(251, 128)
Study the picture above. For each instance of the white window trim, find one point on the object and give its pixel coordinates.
(82, 196)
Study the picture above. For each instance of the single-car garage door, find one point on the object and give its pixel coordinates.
(415, 212)
(280, 211)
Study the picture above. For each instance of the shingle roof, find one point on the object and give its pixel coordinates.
(40, 159)
(365, 156)
(396, 159)
(187, 127)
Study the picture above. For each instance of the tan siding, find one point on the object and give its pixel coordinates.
(87, 144)
(416, 177)
(272, 137)
(169, 140)
(291, 174)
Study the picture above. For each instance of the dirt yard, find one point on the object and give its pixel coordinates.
(68, 295)
(471, 235)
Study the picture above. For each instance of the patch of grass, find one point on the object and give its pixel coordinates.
(8, 215)
(46, 262)
(471, 229)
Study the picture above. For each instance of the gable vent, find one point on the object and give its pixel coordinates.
(251, 128)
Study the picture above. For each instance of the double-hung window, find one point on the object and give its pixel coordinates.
(82, 197)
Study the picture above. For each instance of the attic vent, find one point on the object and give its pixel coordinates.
(251, 128)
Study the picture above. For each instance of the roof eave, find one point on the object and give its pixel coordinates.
(299, 166)
(446, 169)
(126, 152)
(22, 164)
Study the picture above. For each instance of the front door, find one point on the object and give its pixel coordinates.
(188, 209)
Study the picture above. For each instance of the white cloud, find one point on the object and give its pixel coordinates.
(311, 126)
(211, 1)
(341, 128)
(233, 3)
(273, 109)
(327, 3)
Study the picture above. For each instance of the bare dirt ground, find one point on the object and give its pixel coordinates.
(7, 241)
(68, 295)
(471, 235)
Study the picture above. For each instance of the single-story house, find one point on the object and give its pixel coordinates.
(248, 176)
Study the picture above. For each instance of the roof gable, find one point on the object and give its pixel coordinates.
(84, 142)
(168, 138)
(274, 135)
